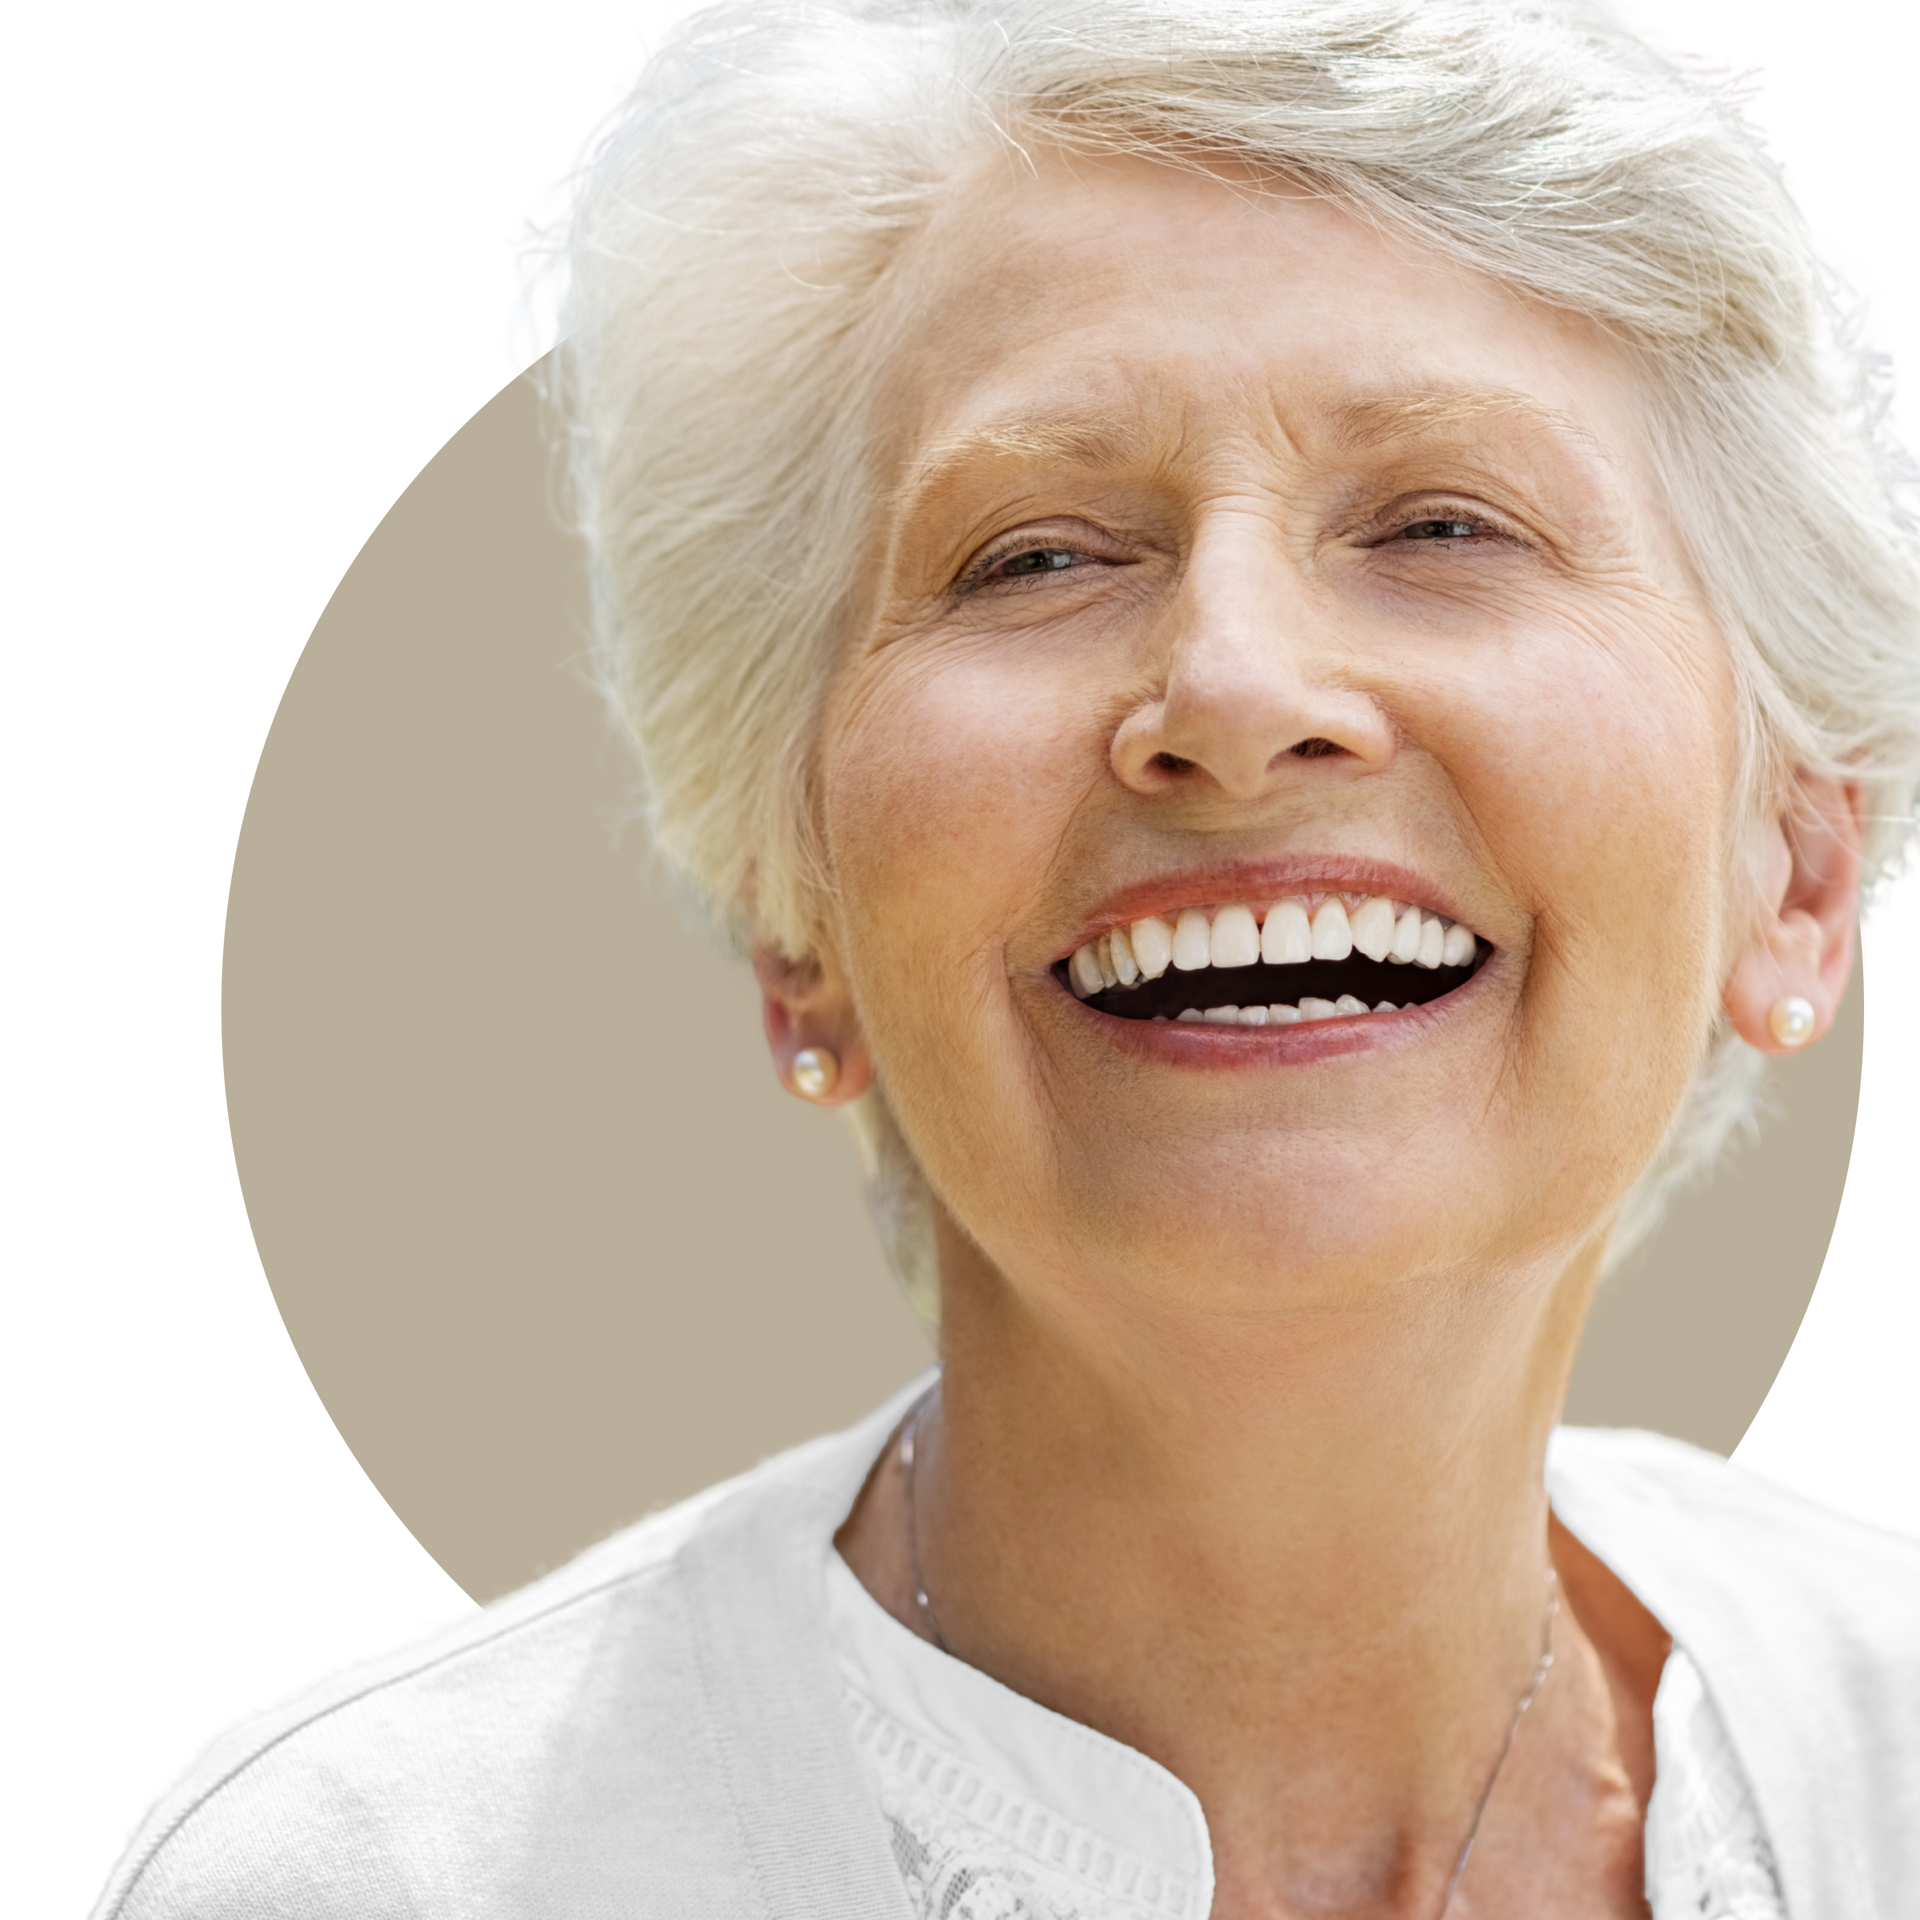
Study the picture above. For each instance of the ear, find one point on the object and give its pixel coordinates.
(806, 1003)
(1801, 942)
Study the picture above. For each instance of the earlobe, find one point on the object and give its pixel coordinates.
(812, 1031)
(1786, 981)
(1770, 995)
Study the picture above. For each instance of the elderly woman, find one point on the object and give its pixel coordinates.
(1283, 628)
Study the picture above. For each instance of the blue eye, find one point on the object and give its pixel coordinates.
(1440, 530)
(1037, 560)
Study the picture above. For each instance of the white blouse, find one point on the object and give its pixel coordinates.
(661, 1728)
(999, 1809)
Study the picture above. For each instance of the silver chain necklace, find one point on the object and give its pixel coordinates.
(909, 1434)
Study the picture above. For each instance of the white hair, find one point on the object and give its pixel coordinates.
(731, 247)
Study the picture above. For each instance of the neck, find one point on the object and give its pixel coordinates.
(1302, 1563)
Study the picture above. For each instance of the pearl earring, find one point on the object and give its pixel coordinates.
(1791, 1020)
(815, 1069)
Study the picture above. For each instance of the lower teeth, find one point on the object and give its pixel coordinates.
(1278, 1015)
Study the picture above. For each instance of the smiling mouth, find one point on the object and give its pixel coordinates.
(1310, 956)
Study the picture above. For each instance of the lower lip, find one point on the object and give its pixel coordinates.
(1196, 1043)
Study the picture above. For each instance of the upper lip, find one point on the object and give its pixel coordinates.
(1258, 883)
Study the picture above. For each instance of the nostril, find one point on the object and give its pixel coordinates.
(1314, 749)
(1172, 763)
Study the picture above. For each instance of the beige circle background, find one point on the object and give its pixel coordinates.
(552, 1244)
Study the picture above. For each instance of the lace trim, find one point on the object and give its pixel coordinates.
(972, 1847)
(1708, 1857)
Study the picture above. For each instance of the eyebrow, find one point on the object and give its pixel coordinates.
(1377, 418)
(1099, 440)
(1074, 440)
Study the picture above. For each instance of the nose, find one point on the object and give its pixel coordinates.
(1254, 675)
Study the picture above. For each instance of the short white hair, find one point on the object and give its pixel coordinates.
(730, 252)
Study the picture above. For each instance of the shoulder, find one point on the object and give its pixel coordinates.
(559, 1752)
(1805, 1627)
(381, 1791)
(1677, 1521)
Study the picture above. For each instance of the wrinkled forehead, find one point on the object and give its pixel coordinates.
(1118, 311)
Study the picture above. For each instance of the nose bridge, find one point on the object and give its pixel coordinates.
(1244, 618)
(1251, 667)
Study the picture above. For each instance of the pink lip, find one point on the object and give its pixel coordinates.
(1258, 884)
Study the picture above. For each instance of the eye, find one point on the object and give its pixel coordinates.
(1026, 557)
(1029, 562)
(1442, 528)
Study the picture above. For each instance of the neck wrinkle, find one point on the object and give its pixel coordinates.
(1300, 1563)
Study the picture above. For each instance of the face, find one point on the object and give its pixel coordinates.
(1258, 584)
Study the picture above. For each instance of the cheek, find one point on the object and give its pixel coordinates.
(1596, 763)
(1596, 760)
(947, 785)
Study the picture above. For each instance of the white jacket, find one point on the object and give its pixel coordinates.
(655, 1732)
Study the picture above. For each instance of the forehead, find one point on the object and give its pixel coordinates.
(1112, 311)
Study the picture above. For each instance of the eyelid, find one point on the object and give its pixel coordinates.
(1441, 506)
(1014, 544)
(1088, 542)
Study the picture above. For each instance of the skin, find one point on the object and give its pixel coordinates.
(1252, 1340)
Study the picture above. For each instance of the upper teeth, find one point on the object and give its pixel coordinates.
(1292, 931)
